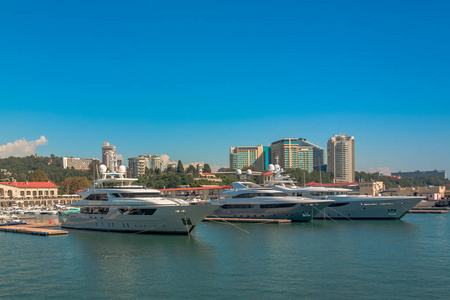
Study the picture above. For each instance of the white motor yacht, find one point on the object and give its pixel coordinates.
(348, 206)
(114, 204)
(248, 200)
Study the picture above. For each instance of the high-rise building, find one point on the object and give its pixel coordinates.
(341, 157)
(136, 166)
(109, 156)
(289, 154)
(155, 162)
(244, 156)
(318, 152)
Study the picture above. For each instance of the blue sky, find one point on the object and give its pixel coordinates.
(191, 78)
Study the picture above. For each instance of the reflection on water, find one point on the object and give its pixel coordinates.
(322, 259)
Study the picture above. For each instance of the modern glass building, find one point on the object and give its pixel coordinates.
(244, 156)
(318, 152)
(290, 154)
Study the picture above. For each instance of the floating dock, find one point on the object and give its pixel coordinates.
(247, 220)
(428, 211)
(32, 230)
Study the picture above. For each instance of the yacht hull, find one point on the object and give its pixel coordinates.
(297, 213)
(358, 208)
(166, 219)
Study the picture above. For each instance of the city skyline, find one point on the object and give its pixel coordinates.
(190, 80)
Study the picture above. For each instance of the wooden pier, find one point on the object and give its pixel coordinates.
(247, 220)
(36, 230)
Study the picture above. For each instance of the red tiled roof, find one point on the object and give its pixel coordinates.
(31, 184)
(268, 173)
(203, 173)
(197, 188)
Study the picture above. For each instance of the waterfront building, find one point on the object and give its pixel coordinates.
(318, 152)
(27, 189)
(425, 191)
(244, 156)
(109, 156)
(290, 154)
(25, 194)
(341, 158)
(82, 164)
(421, 174)
(136, 166)
(372, 188)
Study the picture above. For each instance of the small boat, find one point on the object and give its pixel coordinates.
(13, 221)
(70, 210)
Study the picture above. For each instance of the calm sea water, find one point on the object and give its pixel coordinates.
(321, 260)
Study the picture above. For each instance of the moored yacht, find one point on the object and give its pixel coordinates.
(348, 206)
(114, 204)
(248, 200)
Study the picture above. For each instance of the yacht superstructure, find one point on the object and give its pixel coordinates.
(248, 200)
(114, 204)
(348, 206)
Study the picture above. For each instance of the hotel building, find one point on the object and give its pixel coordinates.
(318, 152)
(244, 156)
(341, 158)
(290, 154)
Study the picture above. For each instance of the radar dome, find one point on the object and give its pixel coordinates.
(102, 168)
(238, 172)
(249, 172)
(122, 169)
(271, 168)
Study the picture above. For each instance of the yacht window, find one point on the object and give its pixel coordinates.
(94, 210)
(136, 195)
(277, 205)
(251, 195)
(228, 206)
(338, 204)
(136, 211)
(98, 197)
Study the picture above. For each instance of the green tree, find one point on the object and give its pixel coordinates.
(38, 176)
(72, 184)
(206, 168)
(191, 169)
(180, 168)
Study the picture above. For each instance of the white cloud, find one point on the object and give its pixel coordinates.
(384, 170)
(21, 147)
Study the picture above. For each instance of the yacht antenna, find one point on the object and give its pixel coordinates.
(320, 172)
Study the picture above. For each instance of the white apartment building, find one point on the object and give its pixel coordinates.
(341, 157)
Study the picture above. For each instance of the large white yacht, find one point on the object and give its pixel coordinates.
(348, 206)
(248, 200)
(114, 204)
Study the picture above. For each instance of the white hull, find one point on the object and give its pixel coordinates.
(296, 213)
(386, 208)
(180, 219)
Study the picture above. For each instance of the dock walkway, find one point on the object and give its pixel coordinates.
(32, 230)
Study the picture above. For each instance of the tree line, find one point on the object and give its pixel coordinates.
(41, 169)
